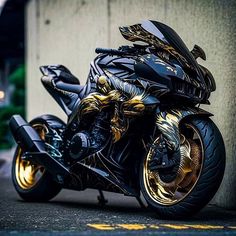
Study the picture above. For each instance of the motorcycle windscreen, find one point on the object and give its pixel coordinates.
(165, 38)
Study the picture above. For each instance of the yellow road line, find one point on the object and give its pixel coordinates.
(101, 226)
(231, 227)
(174, 226)
(158, 226)
(132, 226)
(153, 227)
(205, 226)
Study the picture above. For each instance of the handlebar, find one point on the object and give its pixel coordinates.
(109, 51)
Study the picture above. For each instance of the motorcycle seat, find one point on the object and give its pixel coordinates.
(61, 73)
(62, 79)
(68, 77)
(73, 88)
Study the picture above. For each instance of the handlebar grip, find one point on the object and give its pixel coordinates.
(109, 51)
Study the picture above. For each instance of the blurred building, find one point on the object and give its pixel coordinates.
(11, 43)
(67, 32)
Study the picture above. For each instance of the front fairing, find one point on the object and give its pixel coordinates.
(166, 72)
(164, 38)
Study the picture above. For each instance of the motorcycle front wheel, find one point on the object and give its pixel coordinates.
(199, 174)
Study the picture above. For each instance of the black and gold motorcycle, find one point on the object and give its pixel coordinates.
(134, 128)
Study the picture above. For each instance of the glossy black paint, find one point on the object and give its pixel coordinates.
(25, 135)
(173, 39)
(62, 85)
(34, 148)
(164, 82)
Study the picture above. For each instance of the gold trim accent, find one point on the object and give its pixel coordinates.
(28, 174)
(192, 156)
(119, 124)
(134, 106)
(137, 33)
(103, 84)
(94, 102)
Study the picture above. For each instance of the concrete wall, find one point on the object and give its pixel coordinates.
(67, 32)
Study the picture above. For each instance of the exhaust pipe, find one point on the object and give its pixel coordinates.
(34, 147)
(25, 136)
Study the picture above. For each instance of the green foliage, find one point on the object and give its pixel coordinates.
(18, 97)
(17, 78)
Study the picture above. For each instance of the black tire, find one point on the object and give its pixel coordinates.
(210, 177)
(44, 189)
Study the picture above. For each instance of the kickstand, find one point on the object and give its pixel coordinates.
(101, 199)
(140, 202)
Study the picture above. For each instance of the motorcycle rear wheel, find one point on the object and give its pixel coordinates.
(32, 182)
(199, 175)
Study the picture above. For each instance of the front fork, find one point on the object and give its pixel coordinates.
(167, 122)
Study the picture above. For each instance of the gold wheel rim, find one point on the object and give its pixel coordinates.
(187, 177)
(28, 174)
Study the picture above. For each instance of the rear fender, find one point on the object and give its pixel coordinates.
(50, 120)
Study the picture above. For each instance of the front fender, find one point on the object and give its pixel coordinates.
(168, 121)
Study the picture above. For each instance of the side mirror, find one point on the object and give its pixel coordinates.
(198, 52)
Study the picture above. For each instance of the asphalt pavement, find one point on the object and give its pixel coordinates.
(78, 213)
